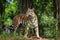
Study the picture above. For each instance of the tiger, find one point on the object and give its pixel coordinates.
(33, 22)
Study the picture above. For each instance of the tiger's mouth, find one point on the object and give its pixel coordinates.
(28, 15)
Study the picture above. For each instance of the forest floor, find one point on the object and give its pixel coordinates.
(41, 38)
(22, 38)
(12, 36)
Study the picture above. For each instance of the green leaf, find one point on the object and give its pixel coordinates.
(8, 21)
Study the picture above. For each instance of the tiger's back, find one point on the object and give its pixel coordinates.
(18, 19)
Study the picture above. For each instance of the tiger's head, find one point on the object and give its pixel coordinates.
(30, 12)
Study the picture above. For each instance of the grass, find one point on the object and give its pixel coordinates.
(12, 36)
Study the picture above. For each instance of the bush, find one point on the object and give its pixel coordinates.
(11, 9)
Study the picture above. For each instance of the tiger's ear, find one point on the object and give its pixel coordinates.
(28, 8)
(32, 8)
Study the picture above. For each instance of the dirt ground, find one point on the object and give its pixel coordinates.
(40, 38)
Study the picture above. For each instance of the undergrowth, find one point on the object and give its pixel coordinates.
(12, 36)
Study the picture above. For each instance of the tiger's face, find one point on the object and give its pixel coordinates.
(30, 12)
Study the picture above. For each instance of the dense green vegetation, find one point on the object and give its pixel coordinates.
(45, 11)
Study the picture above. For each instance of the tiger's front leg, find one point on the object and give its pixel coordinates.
(36, 28)
(37, 32)
(26, 32)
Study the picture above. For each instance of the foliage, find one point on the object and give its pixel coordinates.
(8, 21)
(45, 11)
(5, 36)
(11, 10)
(48, 23)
